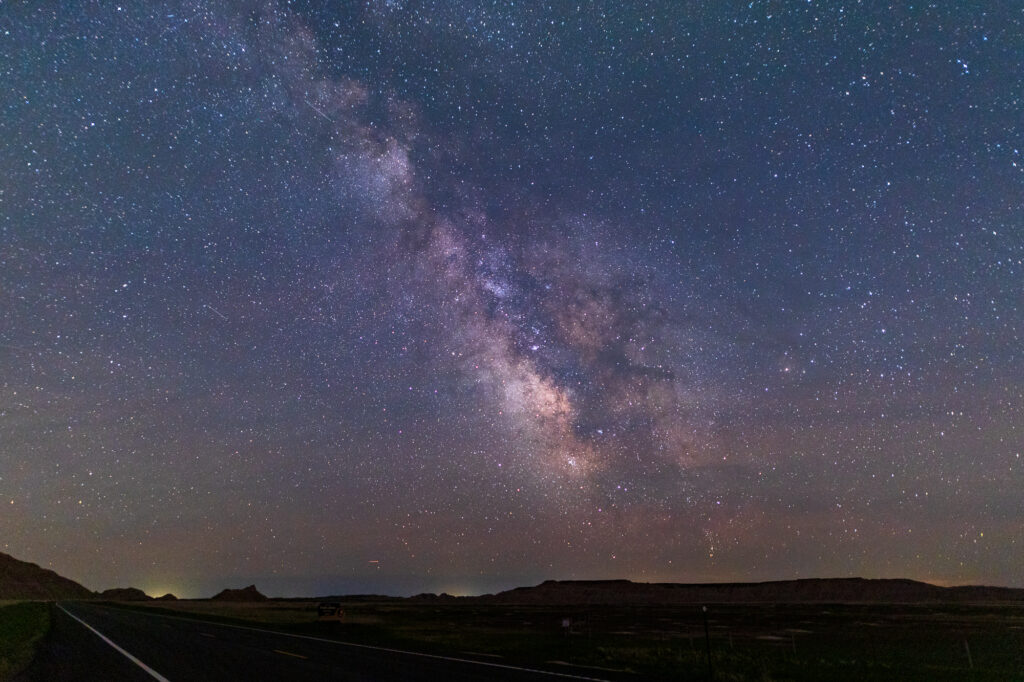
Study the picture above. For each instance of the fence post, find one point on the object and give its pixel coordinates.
(707, 641)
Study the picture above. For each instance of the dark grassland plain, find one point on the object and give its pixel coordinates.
(836, 642)
(22, 626)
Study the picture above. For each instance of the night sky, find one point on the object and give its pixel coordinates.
(399, 296)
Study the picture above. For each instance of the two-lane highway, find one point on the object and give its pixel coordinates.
(97, 642)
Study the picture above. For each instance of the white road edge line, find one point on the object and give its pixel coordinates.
(131, 658)
(380, 648)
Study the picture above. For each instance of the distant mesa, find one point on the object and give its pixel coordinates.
(24, 580)
(249, 593)
(431, 597)
(125, 594)
(813, 590)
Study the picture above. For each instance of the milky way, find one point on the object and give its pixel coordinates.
(407, 296)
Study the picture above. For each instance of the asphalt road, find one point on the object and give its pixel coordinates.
(184, 649)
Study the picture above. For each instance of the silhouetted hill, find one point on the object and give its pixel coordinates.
(167, 597)
(431, 597)
(125, 594)
(834, 590)
(249, 593)
(24, 580)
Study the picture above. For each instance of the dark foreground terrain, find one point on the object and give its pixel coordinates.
(102, 642)
(747, 641)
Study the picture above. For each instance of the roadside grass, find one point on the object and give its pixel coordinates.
(22, 626)
(762, 642)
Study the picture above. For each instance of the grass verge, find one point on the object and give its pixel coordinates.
(22, 626)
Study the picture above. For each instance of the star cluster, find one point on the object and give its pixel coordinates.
(420, 295)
